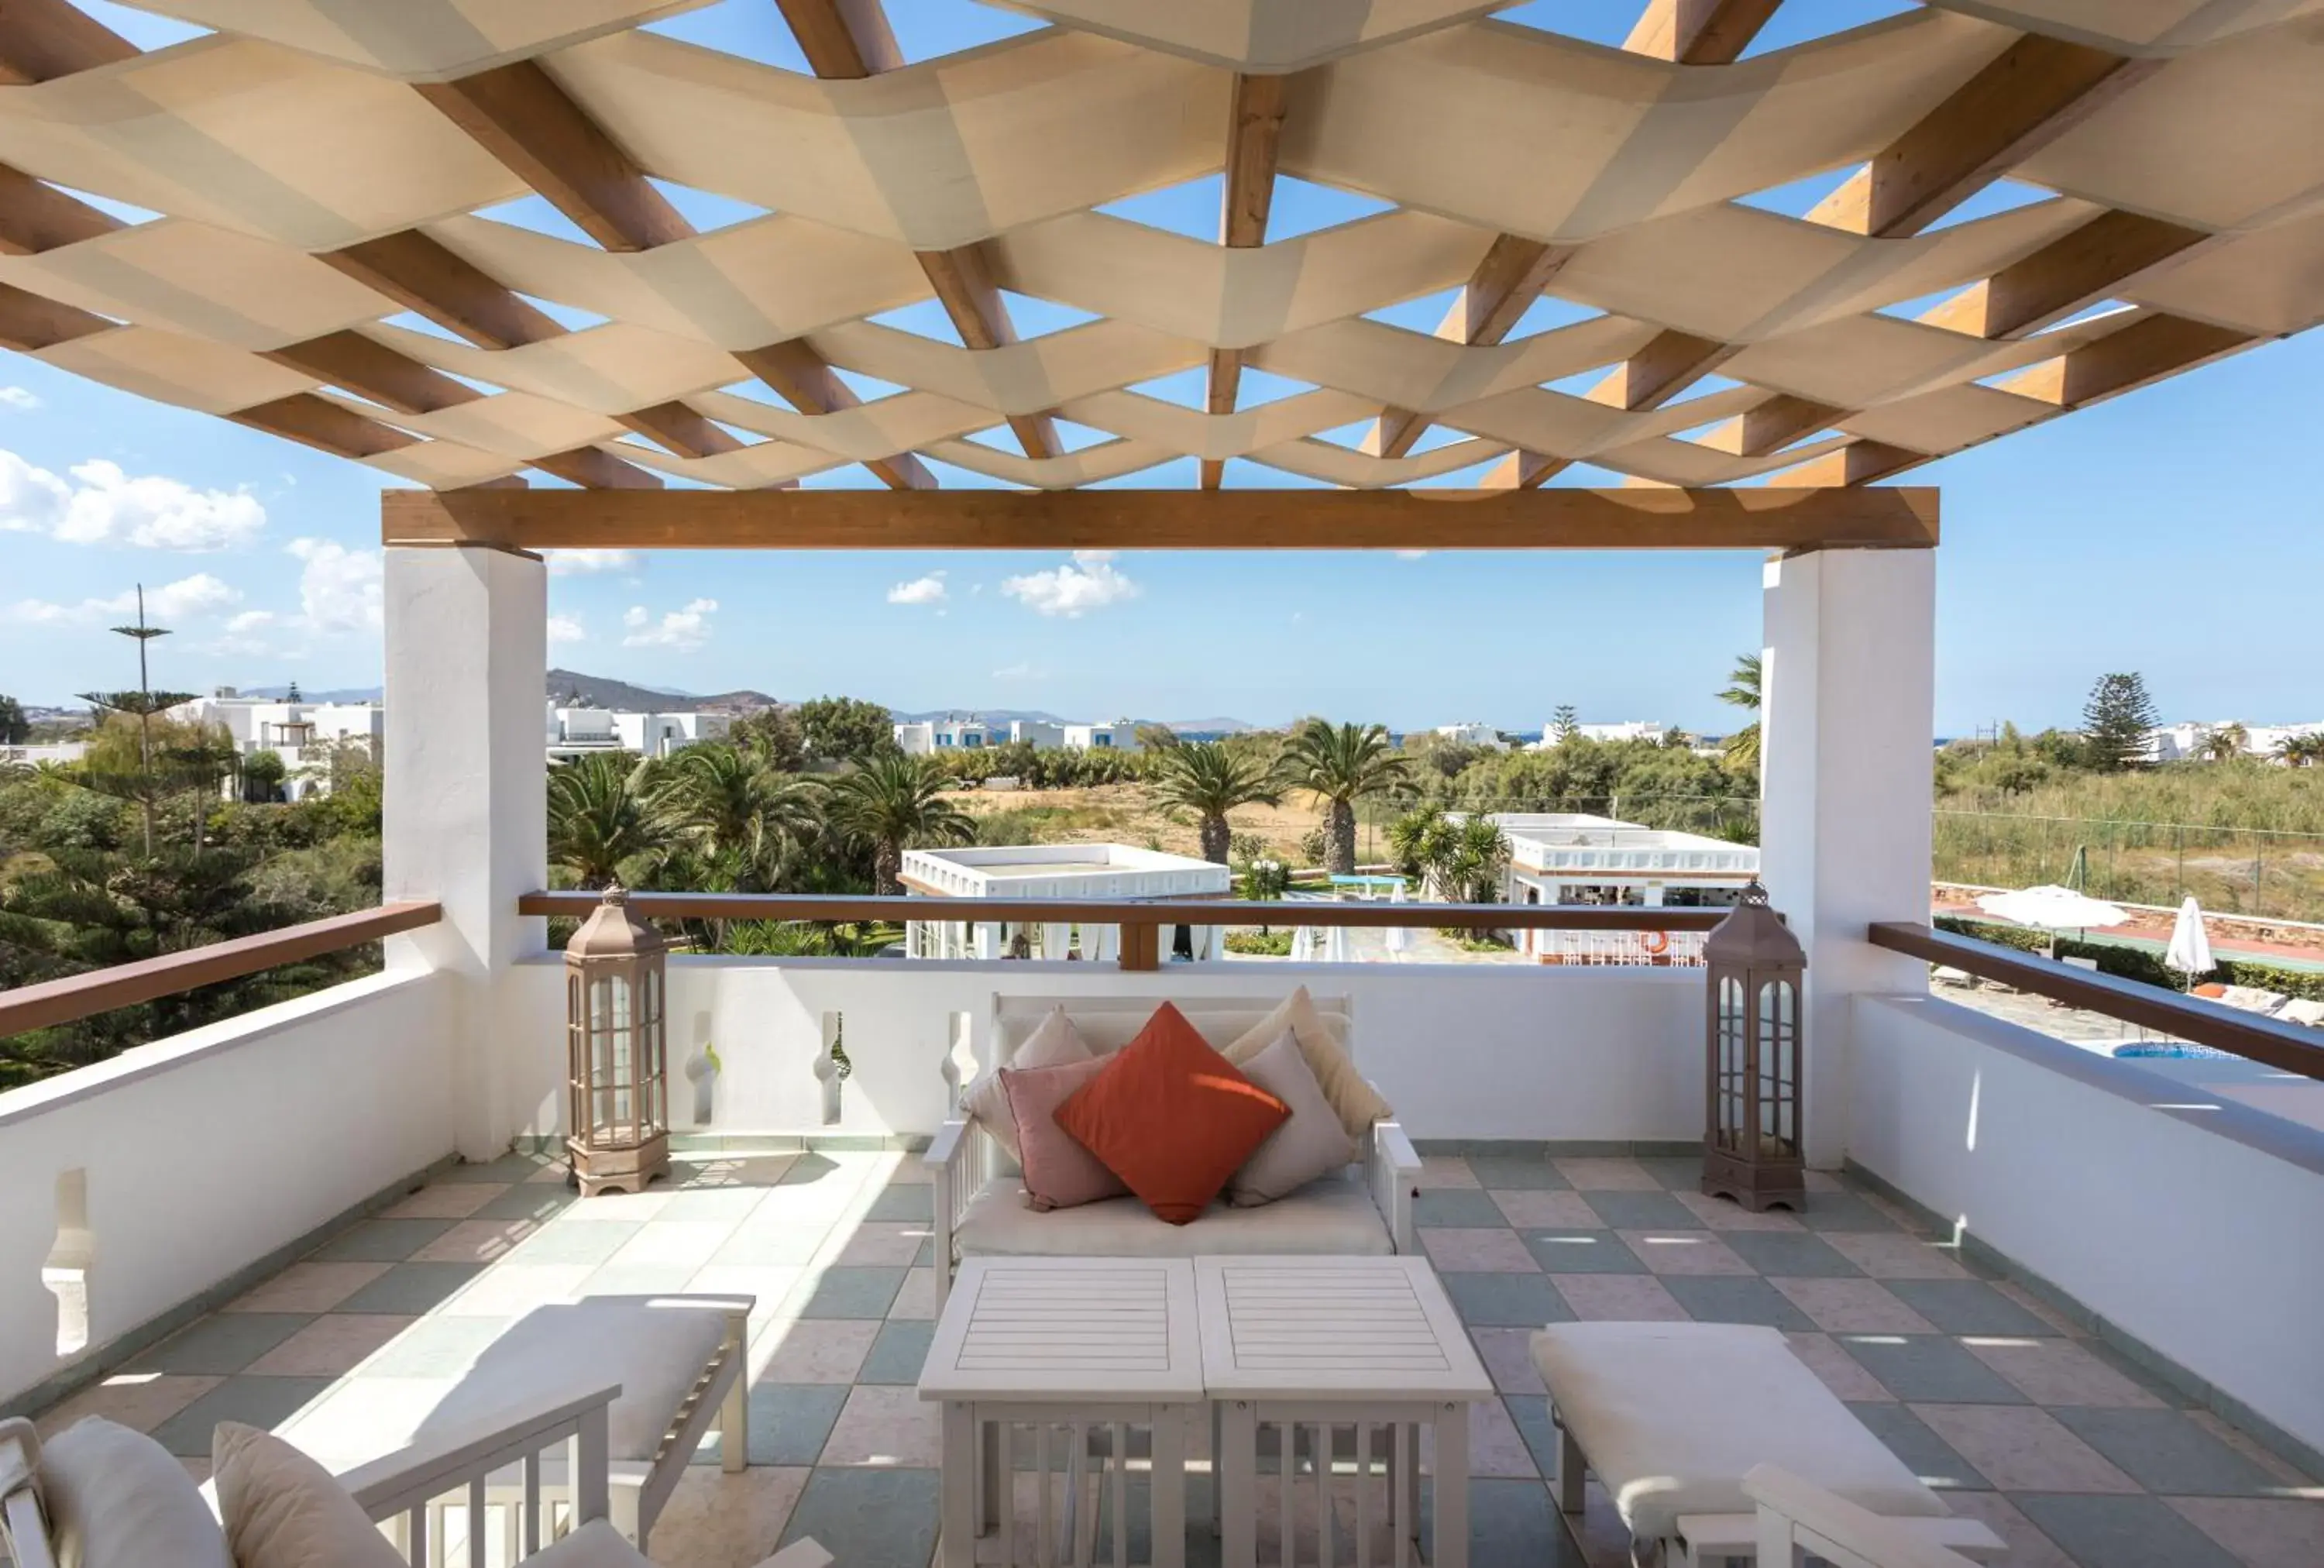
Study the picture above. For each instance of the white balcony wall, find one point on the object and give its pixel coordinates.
(2187, 1221)
(1461, 1051)
(203, 1153)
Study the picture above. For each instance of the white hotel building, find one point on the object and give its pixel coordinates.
(922, 737)
(1571, 858)
(1107, 872)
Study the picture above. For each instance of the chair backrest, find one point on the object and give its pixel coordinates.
(23, 1530)
(1110, 1022)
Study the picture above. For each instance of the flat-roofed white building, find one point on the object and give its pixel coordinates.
(1106, 871)
(1574, 858)
(1627, 729)
(1121, 735)
(578, 732)
(1471, 734)
(301, 732)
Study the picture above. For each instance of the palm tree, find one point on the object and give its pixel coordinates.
(1459, 862)
(728, 804)
(1207, 778)
(1744, 690)
(597, 816)
(2225, 743)
(892, 802)
(1342, 763)
(2300, 750)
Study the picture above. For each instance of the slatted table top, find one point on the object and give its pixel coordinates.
(1333, 1328)
(1053, 1329)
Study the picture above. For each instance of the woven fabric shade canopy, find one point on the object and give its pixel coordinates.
(319, 170)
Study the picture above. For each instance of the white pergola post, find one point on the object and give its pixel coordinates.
(467, 815)
(1847, 755)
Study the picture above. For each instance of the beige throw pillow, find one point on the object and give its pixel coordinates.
(1310, 1143)
(115, 1499)
(1357, 1103)
(1053, 1043)
(283, 1510)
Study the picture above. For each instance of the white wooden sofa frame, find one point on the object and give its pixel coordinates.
(965, 1157)
(461, 1459)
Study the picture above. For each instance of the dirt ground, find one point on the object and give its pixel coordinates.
(1126, 814)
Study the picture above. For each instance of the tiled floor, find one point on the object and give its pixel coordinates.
(2070, 1453)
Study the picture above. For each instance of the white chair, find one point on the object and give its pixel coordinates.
(456, 1462)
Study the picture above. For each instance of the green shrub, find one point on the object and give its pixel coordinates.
(1261, 944)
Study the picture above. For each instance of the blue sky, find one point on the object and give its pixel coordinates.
(2168, 532)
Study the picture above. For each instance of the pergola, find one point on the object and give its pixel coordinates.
(319, 168)
(322, 167)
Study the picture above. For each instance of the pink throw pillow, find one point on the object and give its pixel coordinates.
(1059, 1173)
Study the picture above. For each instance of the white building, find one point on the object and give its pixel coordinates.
(302, 734)
(1472, 733)
(2189, 740)
(921, 737)
(1120, 735)
(1628, 730)
(1053, 871)
(1573, 858)
(578, 732)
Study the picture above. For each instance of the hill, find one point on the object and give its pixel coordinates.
(604, 692)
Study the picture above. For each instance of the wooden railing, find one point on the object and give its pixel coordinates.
(1141, 919)
(2285, 1046)
(81, 996)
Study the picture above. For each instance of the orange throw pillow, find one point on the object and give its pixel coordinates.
(1171, 1117)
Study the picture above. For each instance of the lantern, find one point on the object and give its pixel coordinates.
(1751, 1136)
(617, 1121)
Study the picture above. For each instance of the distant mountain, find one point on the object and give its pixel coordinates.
(1213, 726)
(575, 689)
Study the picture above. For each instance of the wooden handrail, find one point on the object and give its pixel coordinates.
(2206, 1023)
(577, 903)
(81, 996)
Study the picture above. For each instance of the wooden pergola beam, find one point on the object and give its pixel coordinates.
(1522, 470)
(366, 366)
(520, 115)
(322, 424)
(1507, 282)
(30, 321)
(965, 287)
(2070, 274)
(1254, 146)
(2030, 95)
(418, 272)
(1516, 518)
(42, 40)
(1670, 363)
(680, 430)
(1860, 463)
(2146, 350)
(595, 469)
(804, 379)
(1699, 31)
(36, 217)
(843, 40)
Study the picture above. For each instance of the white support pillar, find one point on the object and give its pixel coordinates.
(1847, 754)
(466, 817)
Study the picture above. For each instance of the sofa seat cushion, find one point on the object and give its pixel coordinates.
(115, 1499)
(1672, 1416)
(1333, 1217)
(654, 1346)
(595, 1545)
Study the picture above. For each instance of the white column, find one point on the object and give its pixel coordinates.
(1847, 752)
(466, 819)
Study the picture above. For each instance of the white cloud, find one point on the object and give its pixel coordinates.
(574, 563)
(684, 630)
(190, 598)
(154, 511)
(1088, 582)
(1020, 671)
(566, 629)
(927, 590)
(21, 399)
(1411, 555)
(31, 500)
(339, 589)
(243, 633)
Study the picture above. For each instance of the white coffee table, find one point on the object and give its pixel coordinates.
(1334, 1343)
(1070, 1342)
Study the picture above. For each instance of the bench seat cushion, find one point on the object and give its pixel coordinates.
(1330, 1217)
(1671, 1416)
(654, 1346)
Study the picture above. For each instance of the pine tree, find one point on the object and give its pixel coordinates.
(1566, 723)
(143, 704)
(2115, 723)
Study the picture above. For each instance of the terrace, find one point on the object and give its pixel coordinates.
(2075, 1293)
